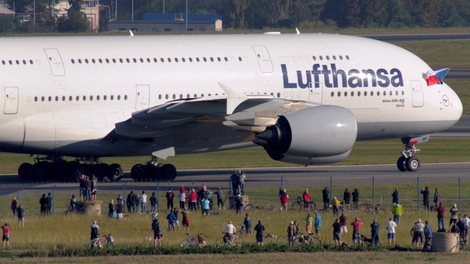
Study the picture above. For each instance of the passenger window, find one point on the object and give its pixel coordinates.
(119, 97)
(332, 94)
(84, 98)
(93, 60)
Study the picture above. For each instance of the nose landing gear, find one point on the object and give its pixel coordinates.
(407, 162)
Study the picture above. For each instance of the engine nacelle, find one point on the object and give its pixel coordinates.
(321, 131)
(309, 160)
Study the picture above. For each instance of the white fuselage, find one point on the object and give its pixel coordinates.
(64, 95)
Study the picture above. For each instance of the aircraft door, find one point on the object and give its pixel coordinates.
(417, 94)
(11, 101)
(142, 97)
(264, 60)
(55, 62)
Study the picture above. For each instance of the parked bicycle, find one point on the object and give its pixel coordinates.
(427, 245)
(198, 240)
(300, 204)
(101, 242)
(70, 210)
(309, 239)
(225, 241)
(148, 241)
(374, 210)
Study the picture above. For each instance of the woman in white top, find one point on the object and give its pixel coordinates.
(229, 231)
(182, 199)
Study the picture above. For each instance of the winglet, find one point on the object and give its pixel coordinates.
(297, 30)
(234, 98)
(130, 32)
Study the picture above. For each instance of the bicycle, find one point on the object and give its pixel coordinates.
(193, 241)
(427, 244)
(70, 210)
(307, 240)
(101, 242)
(299, 204)
(241, 230)
(274, 238)
(225, 241)
(374, 210)
(148, 241)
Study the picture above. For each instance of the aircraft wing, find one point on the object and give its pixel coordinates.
(238, 111)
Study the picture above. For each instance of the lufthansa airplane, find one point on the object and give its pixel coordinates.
(305, 98)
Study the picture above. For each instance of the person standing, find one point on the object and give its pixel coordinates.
(13, 206)
(242, 179)
(49, 203)
(335, 203)
(397, 212)
(317, 223)
(306, 199)
(441, 218)
(153, 202)
(375, 227)
(119, 209)
(309, 223)
(238, 204)
(425, 193)
(291, 231)
(453, 215)
(337, 232)
(234, 180)
(20, 215)
(248, 225)
(73, 203)
(177, 222)
(284, 200)
(465, 223)
(437, 198)
(171, 221)
(220, 198)
(344, 227)
(347, 198)
(157, 232)
(182, 199)
(259, 228)
(131, 202)
(205, 206)
(6, 235)
(87, 189)
(355, 196)
(391, 228)
(356, 235)
(193, 200)
(169, 199)
(229, 231)
(395, 196)
(143, 202)
(427, 233)
(94, 231)
(82, 180)
(43, 202)
(326, 198)
(419, 233)
(93, 188)
(186, 220)
(138, 201)
(112, 209)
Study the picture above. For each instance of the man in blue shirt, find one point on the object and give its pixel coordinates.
(317, 223)
(73, 202)
(375, 226)
(248, 225)
(427, 233)
(171, 221)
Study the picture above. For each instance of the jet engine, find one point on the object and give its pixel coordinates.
(317, 135)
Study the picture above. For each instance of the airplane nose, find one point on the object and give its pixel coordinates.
(452, 104)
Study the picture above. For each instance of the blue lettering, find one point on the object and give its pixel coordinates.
(335, 74)
(383, 78)
(326, 74)
(397, 79)
(354, 81)
(315, 73)
(301, 83)
(286, 78)
(369, 73)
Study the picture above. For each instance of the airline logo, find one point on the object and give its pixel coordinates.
(331, 77)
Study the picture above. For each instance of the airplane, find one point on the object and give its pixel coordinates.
(305, 98)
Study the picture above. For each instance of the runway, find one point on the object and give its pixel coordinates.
(265, 178)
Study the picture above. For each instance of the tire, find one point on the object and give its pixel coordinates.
(296, 206)
(367, 211)
(184, 243)
(75, 170)
(312, 206)
(401, 163)
(315, 241)
(248, 207)
(37, 171)
(99, 171)
(23, 171)
(220, 242)
(115, 172)
(168, 172)
(135, 171)
(413, 164)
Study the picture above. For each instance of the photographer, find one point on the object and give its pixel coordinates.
(6, 234)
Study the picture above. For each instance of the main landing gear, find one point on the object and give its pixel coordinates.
(153, 171)
(407, 162)
(57, 169)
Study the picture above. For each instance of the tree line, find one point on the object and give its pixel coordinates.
(260, 14)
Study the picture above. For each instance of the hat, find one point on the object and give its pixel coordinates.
(291, 222)
(419, 220)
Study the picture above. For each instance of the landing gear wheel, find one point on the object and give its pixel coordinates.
(401, 163)
(168, 172)
(38, 171)
(116, 172)
(413, 164)
(75, 171)
(99, 171)
(23, 171)
(136, 172)
(149, 173)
